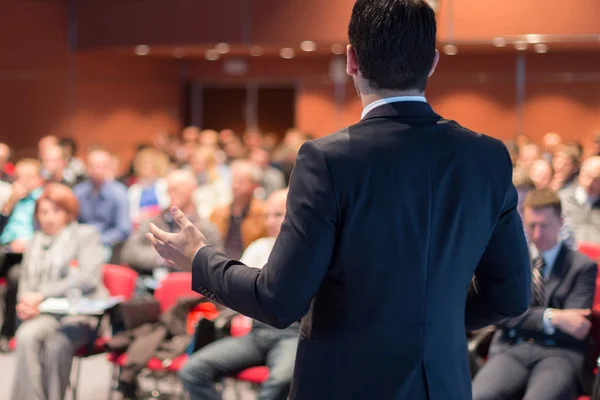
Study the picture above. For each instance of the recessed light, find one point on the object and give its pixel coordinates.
(222, 48)
(533, 38)
(179, 52)
(212, 55)
(450, 50)
(142, 50)
(540, 48)
(499, 42)
(256, 51)
(308, 45)
(521, 45)
(287, 53)
(338, 49)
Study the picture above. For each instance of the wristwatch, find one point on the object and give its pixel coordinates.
(549, 328)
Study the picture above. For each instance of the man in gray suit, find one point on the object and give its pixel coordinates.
(542, 352)
(581, 203)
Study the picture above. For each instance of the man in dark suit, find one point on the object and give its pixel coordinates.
(387, 223)
(542, 352)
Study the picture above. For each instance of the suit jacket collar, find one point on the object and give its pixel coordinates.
(561, 267)
(402, 109)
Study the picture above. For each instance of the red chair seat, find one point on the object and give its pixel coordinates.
(255, 375)
(98, 348)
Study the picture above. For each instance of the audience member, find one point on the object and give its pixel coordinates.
(527, 156)
(566, 167)
(253, 139)
(75, 166)
(596, 151)
(522, 140)
(103, 202)
(581, 203)
(541, 173)
(542, 352)
(214, 187)
(551, 142)
(513, 151)
(5, 159)
(148, 195)
(46, 142)
(16, 231)
(46, 343)
(263, 345)
(524, 185)
(241, 222)
(54, 167)
(139, 253)
(209, 137)
(273, 178)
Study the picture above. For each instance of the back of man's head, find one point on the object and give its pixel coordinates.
(394, 42)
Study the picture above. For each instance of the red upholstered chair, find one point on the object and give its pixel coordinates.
(174, 286)
(240, 326)
(119, 281)
(590, 249)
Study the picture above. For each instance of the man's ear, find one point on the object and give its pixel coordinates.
(351, 64)
(436, 59)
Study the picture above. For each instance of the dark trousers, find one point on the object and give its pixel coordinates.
(9, 264)
(529, 372)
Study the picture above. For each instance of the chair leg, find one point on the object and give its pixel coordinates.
(113, 380)
(75, 384)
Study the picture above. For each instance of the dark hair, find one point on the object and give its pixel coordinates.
(577, 146)
(543, 198)
(68, 142)
(394, 42)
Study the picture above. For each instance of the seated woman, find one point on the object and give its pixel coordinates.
(47, 343)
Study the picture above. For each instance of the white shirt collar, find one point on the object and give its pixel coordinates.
(389, 100)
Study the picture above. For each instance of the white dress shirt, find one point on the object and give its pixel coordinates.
(389, 100)
(257, 253)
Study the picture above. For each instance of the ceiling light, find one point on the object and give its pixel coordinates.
(212, 55)
(179, 52)
(521, 45)
(308, 45)
(256, 51)
(540, 48)
(142, 50)
(499, 42)
(533, 38)
(338, 49)
(222, 48)
(287, 53)
(450, 50)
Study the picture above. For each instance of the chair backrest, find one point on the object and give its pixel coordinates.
(174, 286)
(596, 304)
(590, 249)
(595, 333)
(119, 280)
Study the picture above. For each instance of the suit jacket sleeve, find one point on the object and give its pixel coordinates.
(580, 297)
(280, 293)
(501, 287)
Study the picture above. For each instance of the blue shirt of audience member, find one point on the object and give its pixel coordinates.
(20, 223)
(107, 209)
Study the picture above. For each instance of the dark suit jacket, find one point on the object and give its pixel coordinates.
(571, 285)
(387, 223)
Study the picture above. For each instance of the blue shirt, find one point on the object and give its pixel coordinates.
(107, 209)
(20, 223)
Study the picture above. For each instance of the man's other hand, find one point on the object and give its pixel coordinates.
(178, 249)
(572, 322)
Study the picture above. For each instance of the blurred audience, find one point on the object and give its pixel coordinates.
(139, 253)
(264, 344)
(5, 159)
(551, 142)
(542, 353)
(528, 154)
(581, 202)
(103, 202)
(148, 195)
(75, 166)
(541, 173)
(214, 188)
(241, 222)
(565, 163)
(54, 167)
(273, 178)
(46, 343)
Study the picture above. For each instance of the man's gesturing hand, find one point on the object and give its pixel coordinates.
(178, 249)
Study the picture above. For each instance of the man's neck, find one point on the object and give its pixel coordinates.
(371, 96)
